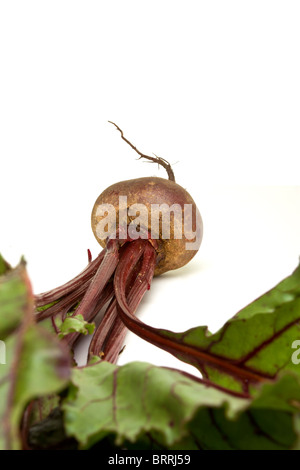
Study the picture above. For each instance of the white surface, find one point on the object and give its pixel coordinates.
(213, 86)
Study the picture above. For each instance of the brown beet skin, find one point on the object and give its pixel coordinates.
(153, 190)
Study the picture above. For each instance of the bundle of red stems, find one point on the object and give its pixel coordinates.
(117, 279)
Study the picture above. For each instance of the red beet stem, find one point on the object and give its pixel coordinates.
(141, 285)
(129, 260)
(59, 292)
(110, 334)
(97, 345)
(101, 278)
(131, 255)
(65, 304)
(104, 297)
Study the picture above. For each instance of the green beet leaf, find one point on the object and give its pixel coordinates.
(144, 406)
(14, 297)
(36, 363)
(4, 266)
(75, 324)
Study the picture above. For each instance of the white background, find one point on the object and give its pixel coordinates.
(212, 86)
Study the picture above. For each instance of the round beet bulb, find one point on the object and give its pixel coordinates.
(152, 193)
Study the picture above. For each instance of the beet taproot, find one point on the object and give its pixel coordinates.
(152, 192)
